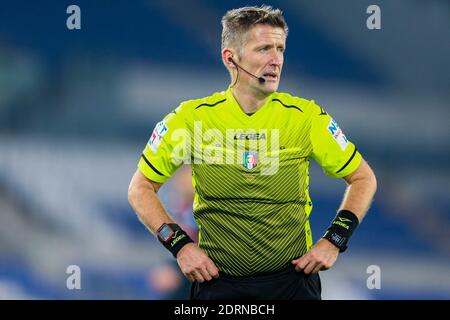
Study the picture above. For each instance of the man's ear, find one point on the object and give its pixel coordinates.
(228, 57)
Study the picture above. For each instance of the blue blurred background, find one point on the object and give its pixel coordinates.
(78, 106)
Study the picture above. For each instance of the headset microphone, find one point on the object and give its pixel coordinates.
(261, 80)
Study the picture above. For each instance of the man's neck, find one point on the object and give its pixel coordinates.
(249, 101)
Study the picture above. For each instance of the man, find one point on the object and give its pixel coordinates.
(250, 148)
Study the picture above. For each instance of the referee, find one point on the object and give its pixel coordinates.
(250, 147)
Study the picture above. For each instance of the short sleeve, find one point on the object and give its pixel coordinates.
(166, 149)
(332, 150)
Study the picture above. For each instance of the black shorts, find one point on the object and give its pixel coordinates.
(286, 284)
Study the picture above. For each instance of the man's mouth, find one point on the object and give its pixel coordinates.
(270, 76)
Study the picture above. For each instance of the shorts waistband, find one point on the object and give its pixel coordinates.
(288, 268)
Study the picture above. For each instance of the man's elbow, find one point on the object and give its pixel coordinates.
(365, 178)
(132, 193)
(373, 179)
(135, 190)
(139, 189)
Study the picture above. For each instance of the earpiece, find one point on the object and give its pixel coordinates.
(261, 80)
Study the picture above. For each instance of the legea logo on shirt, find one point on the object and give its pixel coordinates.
(157, 134)
(254, 150)
(337, 134)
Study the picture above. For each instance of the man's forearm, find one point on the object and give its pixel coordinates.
(361, 188)
(145, 202)
(360, 192)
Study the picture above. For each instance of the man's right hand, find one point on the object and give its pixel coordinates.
(195, 264)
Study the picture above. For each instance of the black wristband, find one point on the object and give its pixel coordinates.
(173, 237)
(341, 229)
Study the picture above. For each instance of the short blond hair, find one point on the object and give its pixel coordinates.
(237, 22)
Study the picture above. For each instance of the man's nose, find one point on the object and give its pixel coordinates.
(276, 58)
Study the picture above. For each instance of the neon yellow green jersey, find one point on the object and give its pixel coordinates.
(250, 174)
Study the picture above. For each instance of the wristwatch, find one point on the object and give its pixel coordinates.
(165, 233)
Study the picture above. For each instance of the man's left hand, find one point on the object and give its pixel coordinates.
(322, 256)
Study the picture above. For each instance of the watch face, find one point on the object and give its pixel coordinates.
(165, 233)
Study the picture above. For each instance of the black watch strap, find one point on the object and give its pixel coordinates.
(341, 229)
(173, 237)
